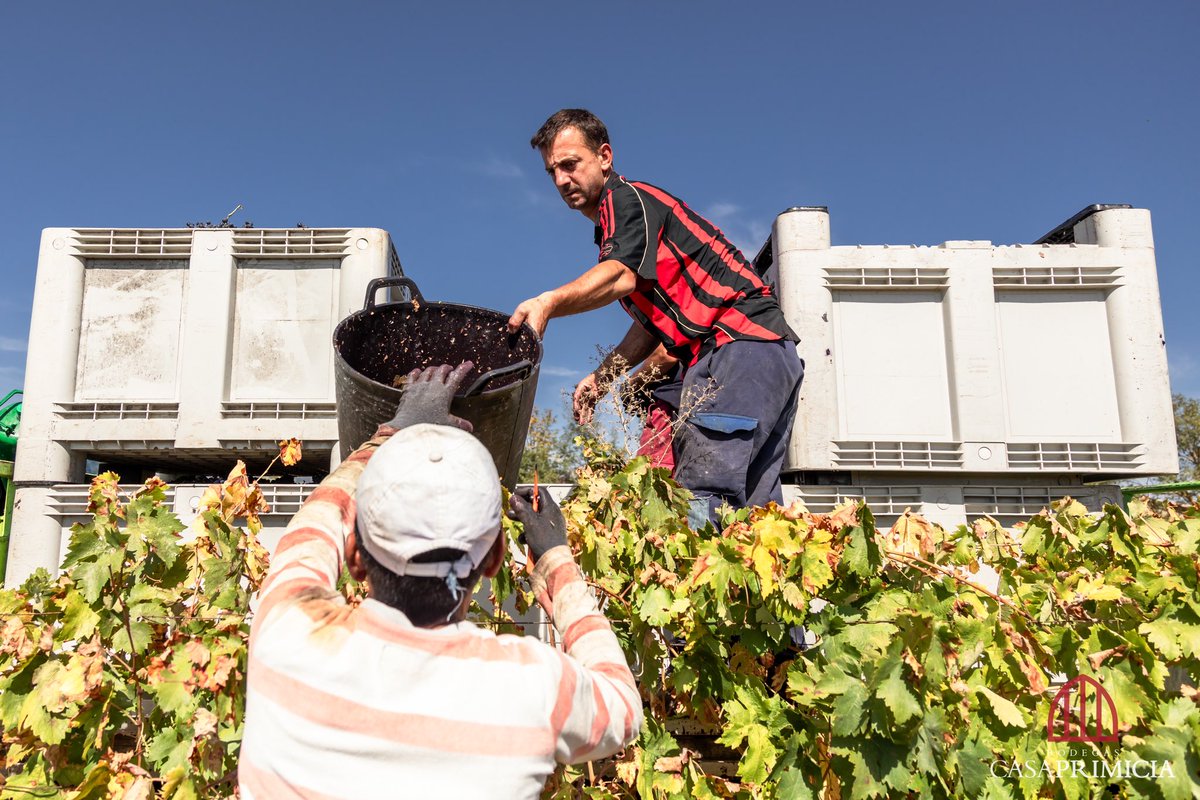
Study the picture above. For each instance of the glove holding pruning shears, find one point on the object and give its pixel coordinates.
(545, 527)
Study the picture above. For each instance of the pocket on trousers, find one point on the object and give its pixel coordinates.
(725, 423)
(714, 453)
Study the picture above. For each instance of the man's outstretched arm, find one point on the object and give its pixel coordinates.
(602, 284)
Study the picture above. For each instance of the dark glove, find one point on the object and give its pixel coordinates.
(544, 528)
(427, 396)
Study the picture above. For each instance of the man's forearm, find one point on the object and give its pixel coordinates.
(635, 348)
(596, 288)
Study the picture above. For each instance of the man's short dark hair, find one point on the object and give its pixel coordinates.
(587, 123)
(425, 601)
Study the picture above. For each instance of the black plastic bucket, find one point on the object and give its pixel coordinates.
(375, 347)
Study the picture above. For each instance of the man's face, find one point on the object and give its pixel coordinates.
(578, 171)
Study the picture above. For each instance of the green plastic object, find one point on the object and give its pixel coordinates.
(10, 421)
(1160, 488)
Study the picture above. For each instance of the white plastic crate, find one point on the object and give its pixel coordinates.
(180, 350)
(970, 357)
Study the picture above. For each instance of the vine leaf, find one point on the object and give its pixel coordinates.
(1006, 710)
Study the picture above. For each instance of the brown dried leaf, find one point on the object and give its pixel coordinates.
(204, 723)
(223, 666)
(91, 658)
(152, 483)
(141, 789)
(13, 639)
(673, 763)
(234, 491)
(1035, 676)
(845, 515)
(912, 534)
(1096, 659)
(779, 679)
(289, 451)
(627, 771)
(197, 653)
(797, 510)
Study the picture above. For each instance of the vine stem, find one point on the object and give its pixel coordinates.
(914, 561)
(137, 684)
(613, 595)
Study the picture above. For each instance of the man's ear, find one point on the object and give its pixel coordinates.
(605, 154)
(354, 559)
(495, 556)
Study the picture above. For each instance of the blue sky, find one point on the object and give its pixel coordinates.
(914, 122)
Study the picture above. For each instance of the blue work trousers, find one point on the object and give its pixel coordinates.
(730, 448)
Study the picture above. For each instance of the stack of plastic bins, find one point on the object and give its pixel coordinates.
(178, 352)
(969, 378)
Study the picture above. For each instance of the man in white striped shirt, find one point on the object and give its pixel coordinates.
(401, 697)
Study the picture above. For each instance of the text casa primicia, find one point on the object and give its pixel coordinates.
(1145, 770)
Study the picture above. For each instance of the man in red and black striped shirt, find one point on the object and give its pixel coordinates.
(693, 297)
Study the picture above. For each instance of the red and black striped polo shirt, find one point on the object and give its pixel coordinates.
(695, 291)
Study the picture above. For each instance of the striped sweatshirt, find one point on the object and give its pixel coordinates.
(360, 703)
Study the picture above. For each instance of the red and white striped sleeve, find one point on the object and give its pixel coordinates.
(308, 558)
(598, 709)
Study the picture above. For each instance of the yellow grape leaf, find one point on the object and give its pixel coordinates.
(210, 500)
(763, 562)
(1096, 589)
(289, 451)
(778, 535)
(1069, 506)
(58, 686)
(794, 597)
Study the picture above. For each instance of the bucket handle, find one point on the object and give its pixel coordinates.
(388, 282)
(524, 365)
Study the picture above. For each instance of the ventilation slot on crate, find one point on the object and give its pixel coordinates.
(266, 410)
(1070, 456)
(251, 448)
(1009, 505)
(130, 411)
(290, 242)
(1056, 277)
(898, 455)
(71, 500)
(286, 499)
(889, 501)
(129, 242)
(394, 268)
(886, 278)
(110, 449)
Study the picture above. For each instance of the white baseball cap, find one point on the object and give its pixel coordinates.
(429, 487)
